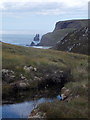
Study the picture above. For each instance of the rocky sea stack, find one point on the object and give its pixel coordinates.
(36, 40)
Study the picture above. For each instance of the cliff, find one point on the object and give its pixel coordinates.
(76, 41)
(62, 28)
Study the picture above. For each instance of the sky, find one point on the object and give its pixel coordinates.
(38, 16)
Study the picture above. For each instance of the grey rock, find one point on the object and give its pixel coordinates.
(8, 76)
(22, 85)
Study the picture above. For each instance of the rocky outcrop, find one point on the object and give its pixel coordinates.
(30, 68)
(32, 43)
(71, 24)
(65, 93)
(18, 82)
(76, 41)
(36, 40)
(62, 28)
(8, 76)
(36, 114)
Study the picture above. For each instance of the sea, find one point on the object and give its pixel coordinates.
(17, 39)
(20, 39)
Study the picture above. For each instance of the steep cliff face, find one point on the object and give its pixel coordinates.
(71, 24)
(62, 28)
(76, 41)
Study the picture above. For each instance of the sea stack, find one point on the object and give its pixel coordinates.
(36, 40)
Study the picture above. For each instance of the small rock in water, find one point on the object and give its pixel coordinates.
(59, 97)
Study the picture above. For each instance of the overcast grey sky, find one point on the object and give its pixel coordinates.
(39, 16)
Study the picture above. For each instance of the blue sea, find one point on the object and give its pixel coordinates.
(21, 40)
(16, 39)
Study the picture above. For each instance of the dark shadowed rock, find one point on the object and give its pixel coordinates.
(36, 38)
(33, 43)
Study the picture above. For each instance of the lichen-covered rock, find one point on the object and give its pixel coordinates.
(21, 85)
(35, 69)
(8, 76)
(29, 68)
(65, 93)
(37, 114)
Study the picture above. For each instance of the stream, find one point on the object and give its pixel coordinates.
(21, 110)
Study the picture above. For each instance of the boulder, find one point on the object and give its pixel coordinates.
(8, 76)
(28, 68)
(22, 77)
(35, 69)
(65, 93)
(36, 114)
(22, 85)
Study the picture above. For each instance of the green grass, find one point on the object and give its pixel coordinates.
(76, 108)
(16, 57)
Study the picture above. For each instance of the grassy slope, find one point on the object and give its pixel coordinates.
(16, 57)
(50, 39)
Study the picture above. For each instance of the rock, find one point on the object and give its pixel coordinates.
(62, 28)
(37, 114)
(65, 93)
(29, 68)
(22, 77)
(63, 89)
(32, 43)
(36, 40)
(22, 85)
(8, 76)
(35, 69)
(37, 78)
(76, 41)
(63, 96)
(26, 68)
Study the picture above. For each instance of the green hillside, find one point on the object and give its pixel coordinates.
(51, 67)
